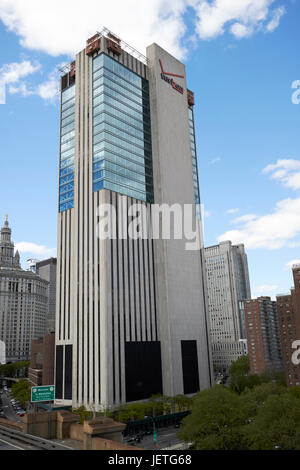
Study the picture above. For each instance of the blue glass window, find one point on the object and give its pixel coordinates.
(67, 150)
(122, 150)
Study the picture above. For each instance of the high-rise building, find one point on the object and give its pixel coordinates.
(23, 302)
(130, 316)
(227, 285)
(288, 307)
(263, 335)
(46, 269)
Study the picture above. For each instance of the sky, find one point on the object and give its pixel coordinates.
(243, 64)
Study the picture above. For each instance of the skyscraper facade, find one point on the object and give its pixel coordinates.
(23, 302)
(263, 337)
(227, 285)
(46, 269)
(130, 311)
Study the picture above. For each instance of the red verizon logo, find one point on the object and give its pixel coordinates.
(170, 80)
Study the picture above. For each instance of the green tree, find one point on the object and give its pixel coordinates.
(21, 392)
(14, 369)
(273, 376)
(83, 413)
(277, 424)
(216, 422)
(255, 398)
(241, 366)
(295, 391)
(240, 377)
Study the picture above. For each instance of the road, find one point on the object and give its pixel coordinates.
(8, 409)
(166, 437)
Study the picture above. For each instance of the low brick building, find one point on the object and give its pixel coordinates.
(263, 337)
(41, 371)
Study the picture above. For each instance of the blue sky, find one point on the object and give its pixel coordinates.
(242, 57)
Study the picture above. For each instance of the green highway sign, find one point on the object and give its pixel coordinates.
(40, 394)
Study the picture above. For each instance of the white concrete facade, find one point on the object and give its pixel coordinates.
(112, 294)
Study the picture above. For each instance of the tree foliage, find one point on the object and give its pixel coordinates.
(21, 391)
(216, 421)
(83, 413)
(14, 369)
(157, 405)
(265, 417)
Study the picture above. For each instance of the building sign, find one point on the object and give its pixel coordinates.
(165, 76)
(40, 394)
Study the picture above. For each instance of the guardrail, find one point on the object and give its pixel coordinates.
(147, 424)
(28, 439)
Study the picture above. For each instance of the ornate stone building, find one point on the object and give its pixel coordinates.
(23, 302)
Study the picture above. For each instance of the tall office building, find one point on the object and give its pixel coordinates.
(23, 302)
(264, 348)
(227, 285)
(130, 316)
(46, 269)
(288, 307)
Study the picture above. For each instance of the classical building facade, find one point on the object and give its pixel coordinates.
(130, 317)
(23, 302)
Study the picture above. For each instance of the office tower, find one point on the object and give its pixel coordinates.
(288, 307)
(23, 302)
(263, 336)
(227, 284)
(130, 317)
(47, 270)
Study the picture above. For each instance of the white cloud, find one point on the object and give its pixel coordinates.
(245, 218)
(271, 231)
(241, 31)
(35, 250)
(248, 15)
(280, 228)
(14, 72)
(20, 89)
(265, 289)
(274, 23)
(62, 27)
(286, 171)
(215, 160)
(47, 90)
(232, 211)
(243, 17)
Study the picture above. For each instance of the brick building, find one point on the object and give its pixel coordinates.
(288, 307)
(263, 337)
(41, 370)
